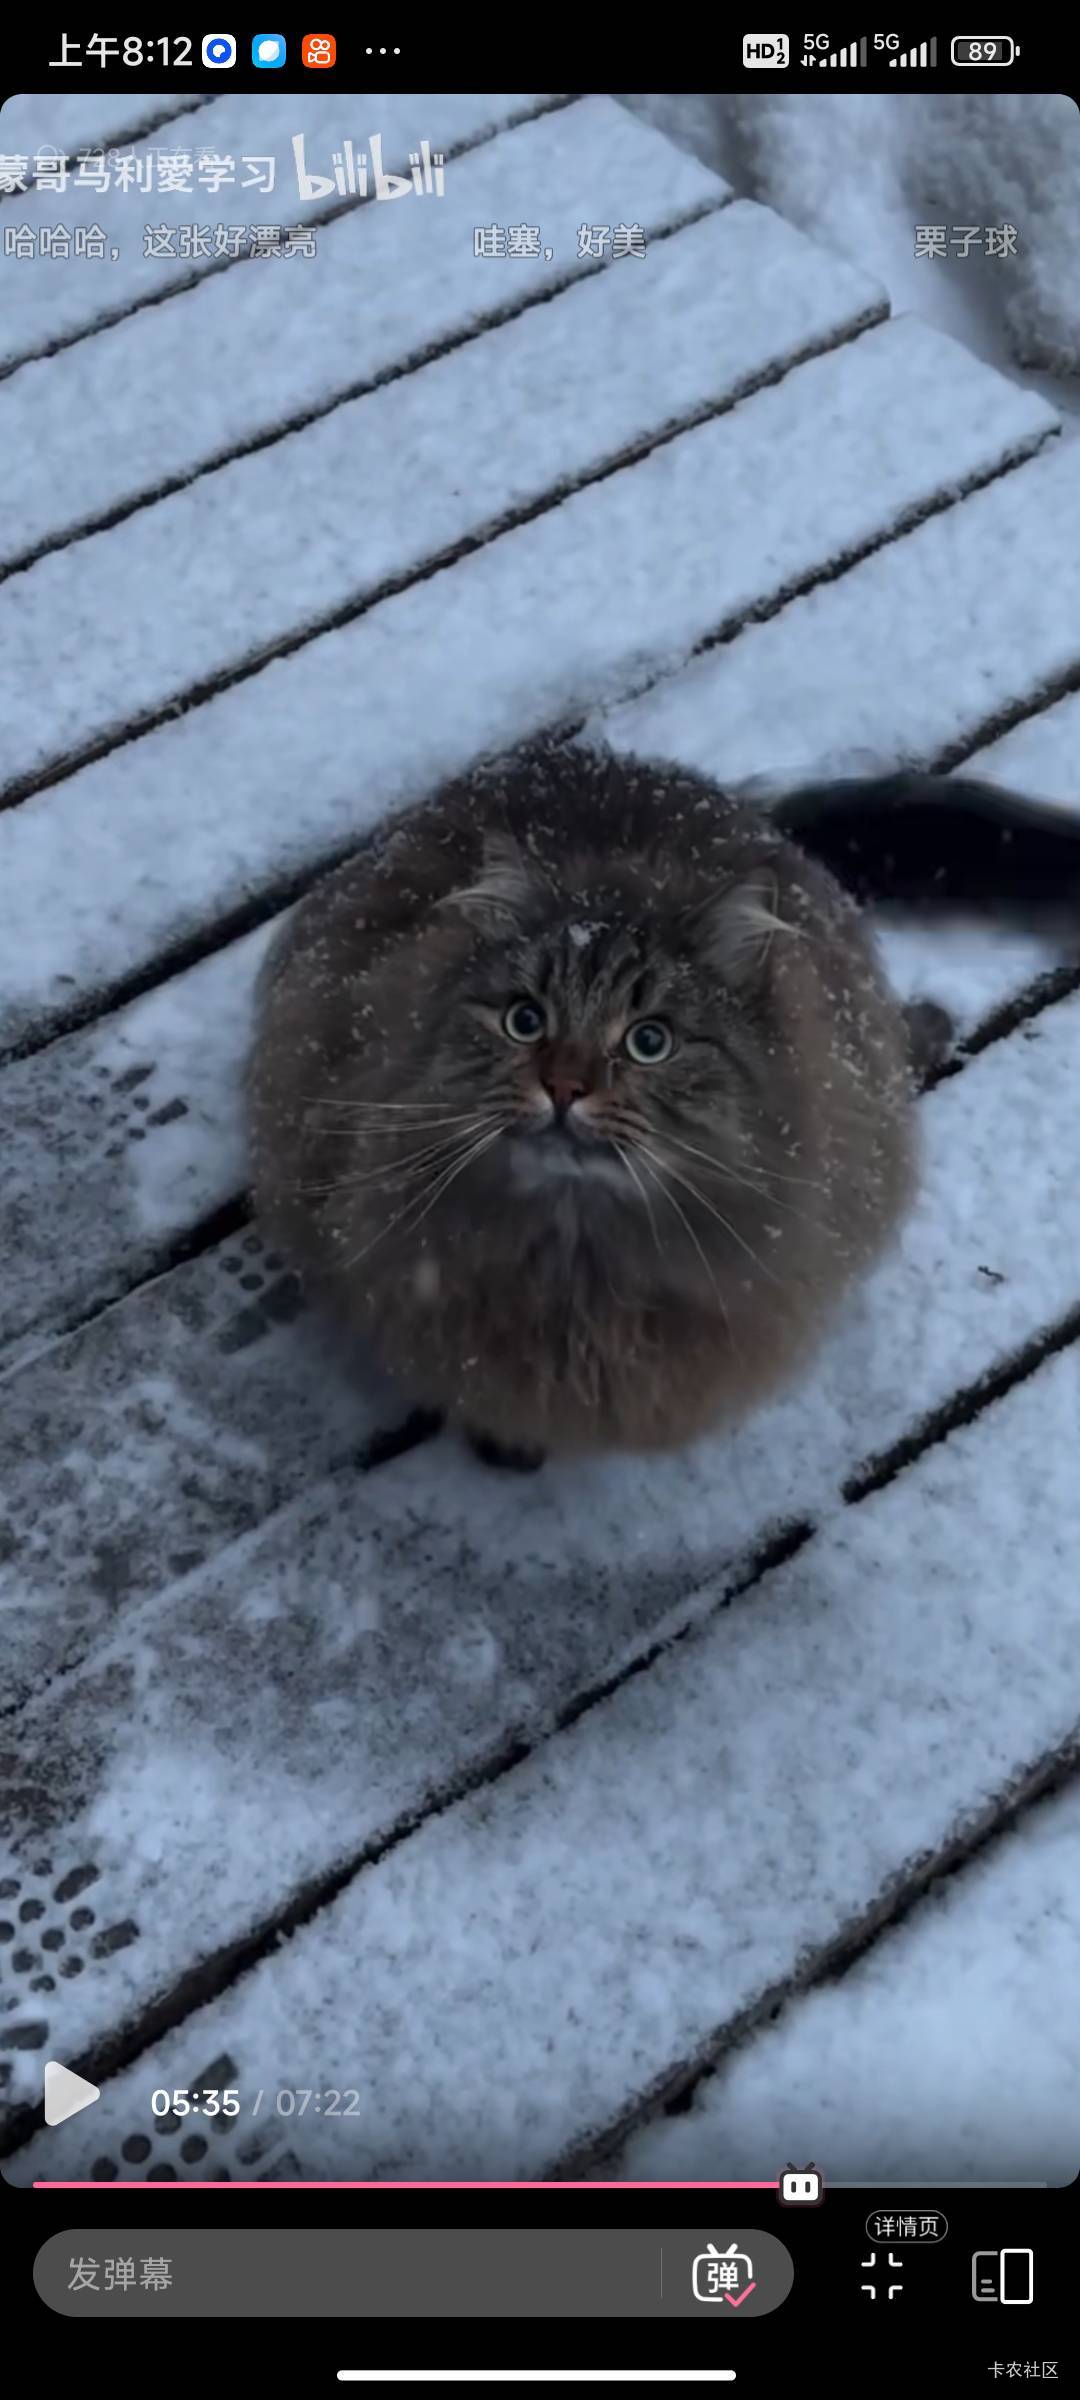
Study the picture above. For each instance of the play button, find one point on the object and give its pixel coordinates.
(65, 2093)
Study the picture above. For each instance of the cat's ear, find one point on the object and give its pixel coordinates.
(734, 929)
(503, 889)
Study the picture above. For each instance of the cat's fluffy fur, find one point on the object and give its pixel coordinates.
(671, 1251)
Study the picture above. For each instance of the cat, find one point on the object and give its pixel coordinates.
(580, 1094)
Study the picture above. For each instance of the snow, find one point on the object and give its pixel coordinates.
(1040, 754)
(952, 2021)
(500, 1984)
(138, 1116)
(573, 1574)
(279, 772)
(281, 541)
(860, 171)
(968, 968)
(252, 1666)
(837, 699)
(71, 298)
(171, 1425)
(381, 292)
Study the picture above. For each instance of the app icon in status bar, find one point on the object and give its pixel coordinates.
(318, 50)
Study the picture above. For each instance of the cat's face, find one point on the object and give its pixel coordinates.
(601, 1044)
(592, 1040)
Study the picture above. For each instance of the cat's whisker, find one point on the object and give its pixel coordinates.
(632, 1171)
(389, 1133)
(804, 1183)
(329, 1100)
(688, 1228)
(726, 1173)
(442, 1182)
(479, 1147)
(358, 1122)
(687, 1186)
(412, 1164)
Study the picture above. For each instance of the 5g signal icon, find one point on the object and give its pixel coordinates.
(817, 54)
(853, 54)
(924, 54)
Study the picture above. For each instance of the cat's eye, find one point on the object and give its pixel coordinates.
(648, 1042)
(524, 1021)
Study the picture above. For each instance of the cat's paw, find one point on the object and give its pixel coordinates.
(503, 1454)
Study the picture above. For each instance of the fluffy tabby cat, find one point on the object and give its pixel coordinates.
(580, 1094)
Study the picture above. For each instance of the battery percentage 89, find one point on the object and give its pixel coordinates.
(982, 50)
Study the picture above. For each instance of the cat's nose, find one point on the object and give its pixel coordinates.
(563, 1086)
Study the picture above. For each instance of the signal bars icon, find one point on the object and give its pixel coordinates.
(924, 54)
(853, 54)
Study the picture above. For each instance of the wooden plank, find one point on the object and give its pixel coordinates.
(245, 559)
(849, 699)
(383, 1639)
(878, 2072)
(535, 1960)
(119, 1140)
(71, 300)
(212, 1404)
(278, 774)
(374, 299)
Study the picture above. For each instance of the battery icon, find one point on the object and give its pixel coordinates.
(982, 50)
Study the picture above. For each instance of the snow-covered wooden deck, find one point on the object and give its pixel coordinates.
(514, 1808)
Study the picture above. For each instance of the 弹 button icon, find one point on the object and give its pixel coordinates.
(723, 2275)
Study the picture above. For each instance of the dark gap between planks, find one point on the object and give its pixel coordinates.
(490, 322)
(59, 770)
(189, 950)
(221, 266)
(674, 2093)
(212, 1977)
